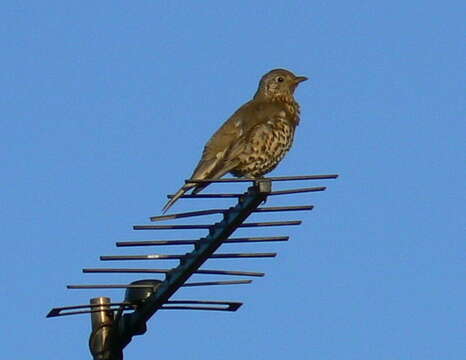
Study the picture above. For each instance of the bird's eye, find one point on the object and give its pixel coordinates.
(280, 79)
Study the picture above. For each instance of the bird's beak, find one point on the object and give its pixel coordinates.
(299, 79)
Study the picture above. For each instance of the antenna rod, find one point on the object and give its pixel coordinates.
(131, 324)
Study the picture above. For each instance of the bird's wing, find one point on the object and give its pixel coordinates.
(222, 152)
(219, 155)
(215, 161)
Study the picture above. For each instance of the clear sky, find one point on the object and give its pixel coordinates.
(105, 108)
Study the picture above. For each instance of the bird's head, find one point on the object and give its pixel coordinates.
(278, 83)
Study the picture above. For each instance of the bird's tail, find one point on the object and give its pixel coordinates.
(175, 197)
(199, 188)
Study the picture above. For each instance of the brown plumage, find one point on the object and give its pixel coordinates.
(255, 138)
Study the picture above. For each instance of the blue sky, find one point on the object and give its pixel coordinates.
(105, 109)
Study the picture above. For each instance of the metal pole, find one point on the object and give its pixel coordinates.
(101, 339)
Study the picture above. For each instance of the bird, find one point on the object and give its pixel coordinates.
(255, 138)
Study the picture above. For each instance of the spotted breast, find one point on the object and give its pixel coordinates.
(255, 138)
(267, 145)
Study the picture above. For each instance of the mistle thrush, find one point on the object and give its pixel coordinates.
(255, 138)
